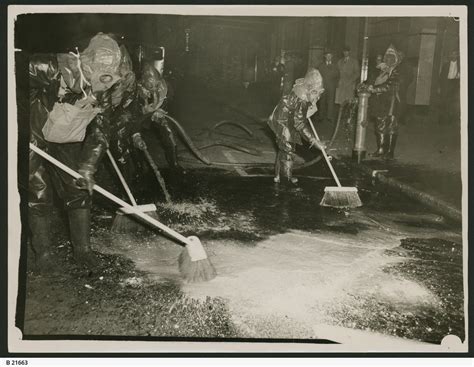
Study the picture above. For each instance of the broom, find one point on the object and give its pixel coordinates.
(337, 196)
(122, 223)
(194, 265)
(157, 173)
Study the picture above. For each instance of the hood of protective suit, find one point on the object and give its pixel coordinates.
(391, 59)
(312, 81)
(98, 66)
(100, 62)
(152, 88)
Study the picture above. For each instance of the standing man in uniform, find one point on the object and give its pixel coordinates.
(349, 72)
(330, 74)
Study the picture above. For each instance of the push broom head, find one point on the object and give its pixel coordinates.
(194, 264)
(126, 222)
(341, 197)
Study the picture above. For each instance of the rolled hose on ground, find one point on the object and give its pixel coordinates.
(196, 150)
(238, 147)
(188, 141)
(227, 122)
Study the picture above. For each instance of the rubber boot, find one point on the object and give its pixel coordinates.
(381, 145)
(79, 227)
(276, 179)
(288, 172)
(40, 227)
(392, 142)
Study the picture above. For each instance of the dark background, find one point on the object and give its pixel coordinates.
(231, 50)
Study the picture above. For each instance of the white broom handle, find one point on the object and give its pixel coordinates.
(112, 197)
(324, 154)
(122, 179)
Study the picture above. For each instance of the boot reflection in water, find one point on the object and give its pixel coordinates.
(392, 142)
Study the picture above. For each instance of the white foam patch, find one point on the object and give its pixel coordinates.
(302, 276)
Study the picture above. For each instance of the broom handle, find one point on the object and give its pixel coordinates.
(122, 179)
(324, 154)
(157, 173)
(112, 197)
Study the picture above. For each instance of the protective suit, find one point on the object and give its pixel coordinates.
(153, 86)
(69, 90)
(384, 103)
(288, 122)
(143, 112)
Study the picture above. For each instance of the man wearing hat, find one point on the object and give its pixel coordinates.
(330, 74)
(349, 71)
(288, 122)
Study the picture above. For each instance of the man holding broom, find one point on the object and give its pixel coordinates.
(289, 122)
(70, 105)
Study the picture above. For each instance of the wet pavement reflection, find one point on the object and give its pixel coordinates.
(391, 266)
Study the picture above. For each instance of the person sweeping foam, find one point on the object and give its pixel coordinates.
(289, 122)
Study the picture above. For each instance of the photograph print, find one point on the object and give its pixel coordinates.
(237, 178)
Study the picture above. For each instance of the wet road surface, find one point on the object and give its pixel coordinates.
(288, 267)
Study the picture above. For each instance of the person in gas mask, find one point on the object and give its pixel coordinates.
(289, 122)
(69, 117)
(384, 102)
(151, 100)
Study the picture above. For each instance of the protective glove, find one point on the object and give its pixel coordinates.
(86, 182)
(138, 141)
(312, 109)
(157, 115)
(317, 143)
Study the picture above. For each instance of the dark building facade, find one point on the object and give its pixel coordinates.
(235, 50)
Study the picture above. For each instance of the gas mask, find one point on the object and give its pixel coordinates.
(310, 87)
(100, 62)
(152, 89)
(391, 58)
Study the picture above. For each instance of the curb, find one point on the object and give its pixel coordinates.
(430, 201)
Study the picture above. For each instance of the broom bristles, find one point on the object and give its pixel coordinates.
(341, 197)
(195, 271)
(129, 223)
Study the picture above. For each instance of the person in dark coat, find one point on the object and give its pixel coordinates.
(374, 68)
(449, 88)
(349, 72)
(330, 74)
(289, 122)
(59, 84)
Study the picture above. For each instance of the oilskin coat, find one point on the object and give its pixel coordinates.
(384, 104)
(134, 115)
(288, 122)
(44, 82)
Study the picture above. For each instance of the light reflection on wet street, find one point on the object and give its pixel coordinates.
(284, 260)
